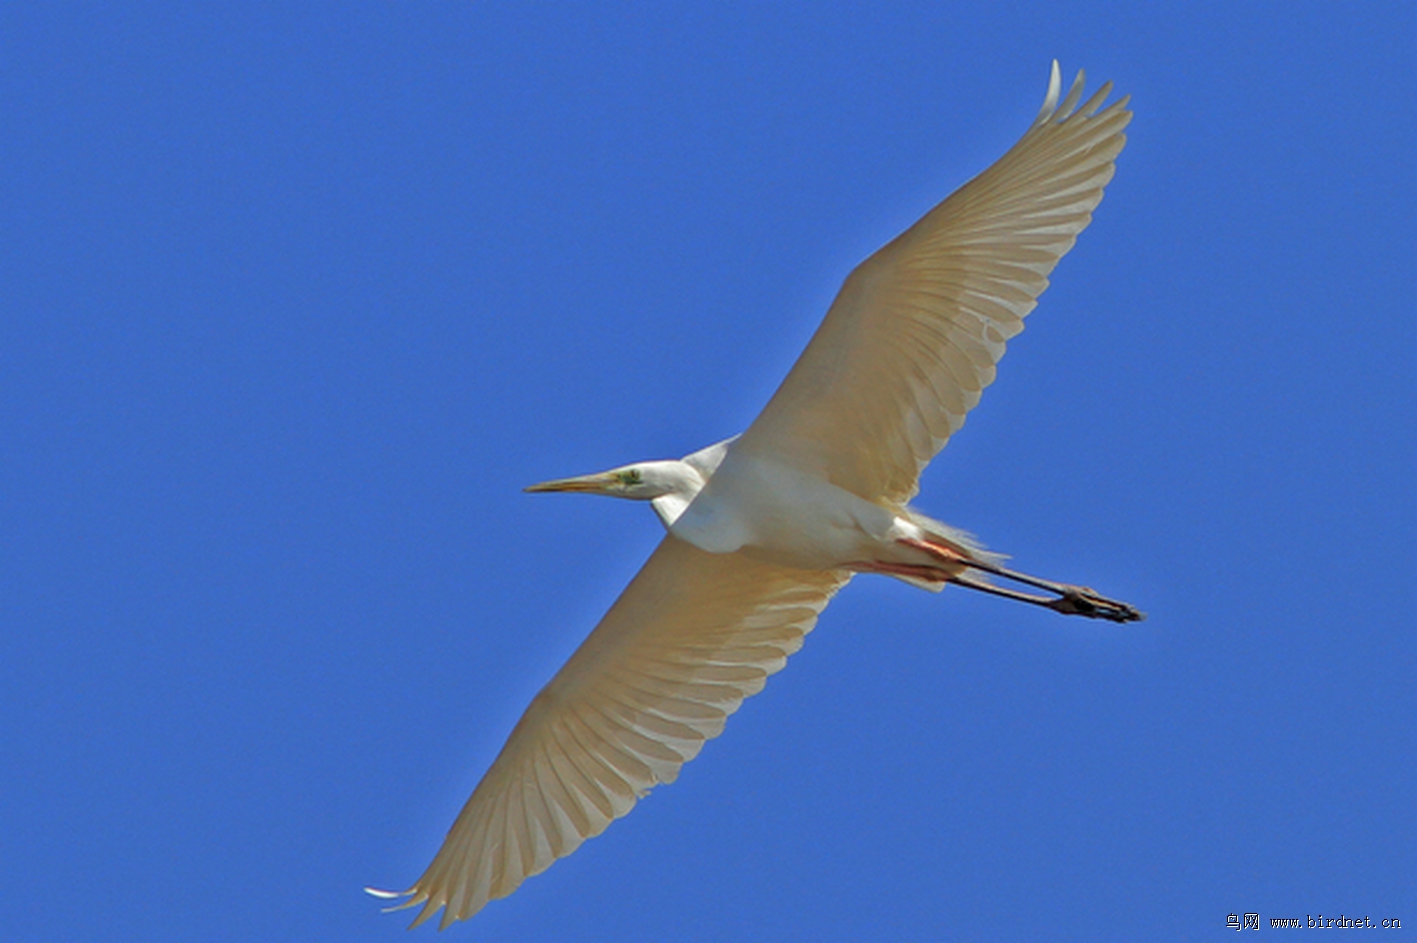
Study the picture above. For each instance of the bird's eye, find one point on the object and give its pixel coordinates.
(631, 477)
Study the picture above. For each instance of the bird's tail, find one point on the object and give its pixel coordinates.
(960, 540)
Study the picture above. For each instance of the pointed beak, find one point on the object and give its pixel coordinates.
(585, 484)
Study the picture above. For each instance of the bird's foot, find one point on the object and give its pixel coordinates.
(1082, 601)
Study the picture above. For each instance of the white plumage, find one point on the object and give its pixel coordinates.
(766, 527)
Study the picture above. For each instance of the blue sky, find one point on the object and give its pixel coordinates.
(296, 301)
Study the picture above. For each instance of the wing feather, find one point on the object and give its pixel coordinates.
(917, 329)
(691, 637)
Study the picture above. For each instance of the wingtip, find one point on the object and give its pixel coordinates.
(1055, 89)
(1073, 97)
(413, 901)
(1059, 107)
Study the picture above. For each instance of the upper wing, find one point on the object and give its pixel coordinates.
(915, 333)
(692, 635)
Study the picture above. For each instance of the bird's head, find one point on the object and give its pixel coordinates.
(642, 481)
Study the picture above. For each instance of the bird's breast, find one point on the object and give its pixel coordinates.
(782, 515)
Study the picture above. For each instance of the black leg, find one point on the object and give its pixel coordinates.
(1070, 601)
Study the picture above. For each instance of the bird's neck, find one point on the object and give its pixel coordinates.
(682, 483)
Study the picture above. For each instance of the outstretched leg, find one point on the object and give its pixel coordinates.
(1070, 600)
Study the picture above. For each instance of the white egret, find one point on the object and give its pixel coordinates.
(765, 527)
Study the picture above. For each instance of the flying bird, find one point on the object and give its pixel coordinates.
(764, 528)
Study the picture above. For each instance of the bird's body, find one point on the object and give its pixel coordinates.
(722, 500)
(779, 514)
(782, 515)
(764, 528)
